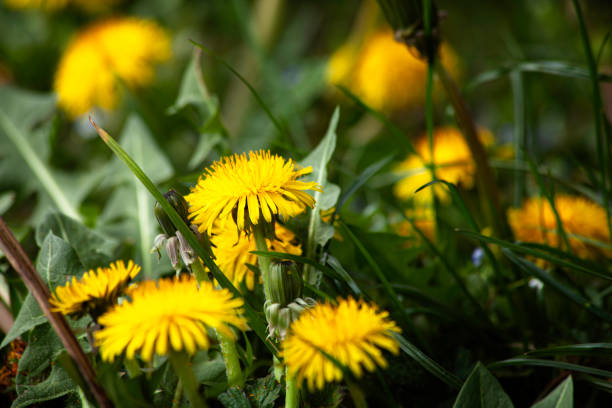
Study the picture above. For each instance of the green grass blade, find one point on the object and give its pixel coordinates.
(255, 321)
(519, 134)
(584, 349)
(359, 182)
(602, 140)
(561, 365)
(528, 250)
(551, 201)
(40, 170)
(280, 127)
(531, 270)
(427, 363)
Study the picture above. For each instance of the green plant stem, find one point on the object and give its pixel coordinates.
(40, 170)
(292, 393)
(182, 366)
(264, 262)
(132, 367)
(357, 395)
(178, 394)
(487, 187)
(227, 345)
(603, 147)
(198, 271)
(232, 363)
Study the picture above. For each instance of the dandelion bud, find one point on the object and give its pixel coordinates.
(280, 318)
(180, 206)
(285, 282)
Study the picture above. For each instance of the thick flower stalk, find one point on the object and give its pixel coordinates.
(95, 292)
(353, 333)
(105, 54)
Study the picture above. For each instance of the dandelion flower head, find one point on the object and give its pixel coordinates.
(248, 189)
(584, 223)
(171, 314)
(353, 332)
(103, 54)
(95, 291)
(389, 76)
(232, 250)
(452, 157)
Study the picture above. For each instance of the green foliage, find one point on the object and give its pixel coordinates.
(561, 397)
(481, 389)
(262, 393)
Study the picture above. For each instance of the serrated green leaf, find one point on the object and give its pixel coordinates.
(56, 385)
(56, 262)
(92, 248)
(234, 398)
(483, 390)
(561, 397)
(264, 392)
(319, 232)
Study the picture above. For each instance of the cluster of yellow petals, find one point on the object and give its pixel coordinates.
(50, 5)
(353, 333)
(232, 250)
(95, 290)
(385, 74)
(452, 158)
(423, 218)
(170, 314)
(249, 188)
(584, 223)
(105, 54)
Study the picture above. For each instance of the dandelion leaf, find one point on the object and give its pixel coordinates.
(483, 390)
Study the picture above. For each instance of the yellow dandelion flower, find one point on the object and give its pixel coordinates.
(423, 218)
(389, 76)
(248, 189)
(171, 314)
(452, 156)
(353, 333)
(120, 49)
(584, 223)
(341, 63)
(95, 291)
(232, 251)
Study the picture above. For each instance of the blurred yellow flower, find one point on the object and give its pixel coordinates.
(423, 218)
(384, 73)
(171, 314)
(584, 223)
(232, 250)
(249, 189)
(105, 54)
(452, 157)
(95, 291)
(353, 333)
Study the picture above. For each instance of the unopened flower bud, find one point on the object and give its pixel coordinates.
(285, 282)
(280, 317)
(180, 206)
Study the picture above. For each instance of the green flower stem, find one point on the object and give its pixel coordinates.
(264, 261)
(182, 367)
(198, 271)
(132, 367)
(228, 346)
(292, 393)
(178, 394)
(357, 395)
(232, 363)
